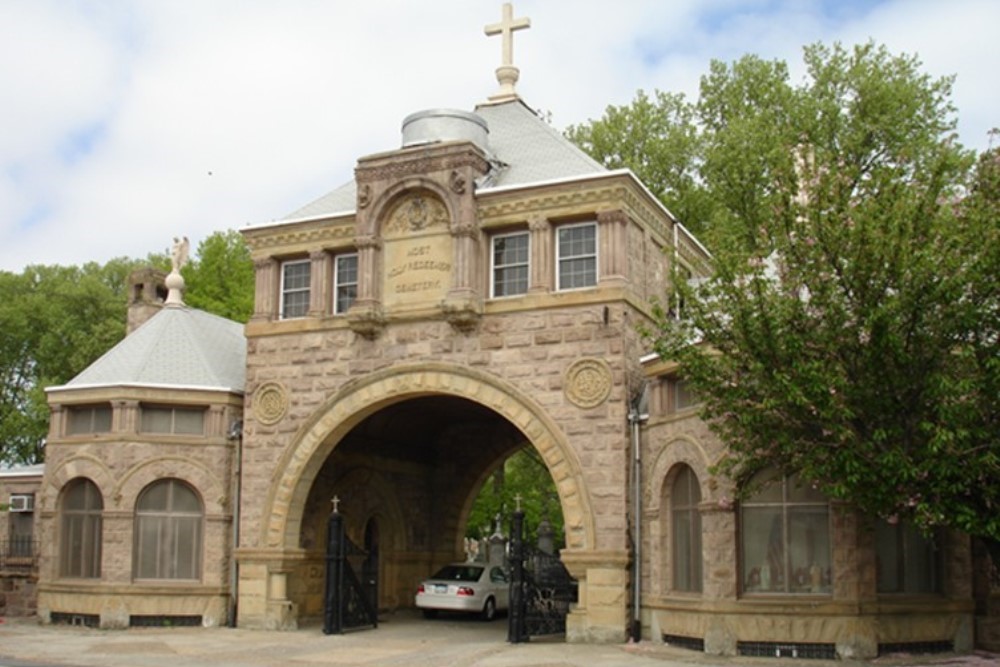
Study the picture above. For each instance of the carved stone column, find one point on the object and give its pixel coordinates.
(125, 417)
(265, 289)
(365, 316)
(541, 276)
(613, 246)
(320, 280)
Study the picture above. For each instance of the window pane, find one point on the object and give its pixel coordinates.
(295, 288)
(576, 249)
(189, 421)
(168, 532)
(88, 419)
(102, 419)
(808, 549)
(908, 561)
(763, 549)
(156, 420)
(80, 532)
(346, 280)
(510, 264)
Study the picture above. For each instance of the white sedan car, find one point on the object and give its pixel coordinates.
(479, 588)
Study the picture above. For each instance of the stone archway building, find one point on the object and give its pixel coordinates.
(478, 290)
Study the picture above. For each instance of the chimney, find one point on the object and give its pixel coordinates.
(147, 290)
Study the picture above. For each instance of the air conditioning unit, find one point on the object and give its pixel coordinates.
(22, 502)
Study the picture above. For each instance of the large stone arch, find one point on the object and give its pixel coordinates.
(316, 439)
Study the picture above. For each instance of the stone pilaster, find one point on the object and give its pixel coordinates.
(320, 281)
(601, 614)
(540, 281)
(612, 247)
(265, 289)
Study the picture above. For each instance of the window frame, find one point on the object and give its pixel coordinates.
(75, 414)
(494, 267)
(690, 509)
(284, 291)
(168, 524)
(590, 257)
(148, 408)
(87, 523)
(788, 508)
(338, 285)
(903, 535)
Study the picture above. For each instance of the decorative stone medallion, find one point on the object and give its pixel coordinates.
(588, 382)
(270, 403)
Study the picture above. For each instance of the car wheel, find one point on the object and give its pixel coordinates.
(430, 613)
(489, 609)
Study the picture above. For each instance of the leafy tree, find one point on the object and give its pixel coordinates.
(56, 321)
(522, 475)
(220, 279)
(849, 332)
(658, 140)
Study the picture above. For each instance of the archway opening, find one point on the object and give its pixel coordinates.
(406, 479)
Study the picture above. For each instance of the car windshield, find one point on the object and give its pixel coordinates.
(459, 573)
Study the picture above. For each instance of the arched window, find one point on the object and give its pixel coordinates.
(685, 530)
(80, 533)
(785, 538)
(168, 529)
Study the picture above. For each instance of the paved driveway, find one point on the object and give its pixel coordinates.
(402, 639)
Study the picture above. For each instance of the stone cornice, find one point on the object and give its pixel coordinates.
(301, 237)
(420, 161)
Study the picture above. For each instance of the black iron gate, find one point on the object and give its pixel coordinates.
(350, 602)
(541, 589)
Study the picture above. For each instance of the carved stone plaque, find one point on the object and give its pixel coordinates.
(270, 403)
(588, 382)
(417, 253)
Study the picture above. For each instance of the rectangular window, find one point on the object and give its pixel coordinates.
(345, 282)
(88, 419)
(684, 395)
(510, 262)
(171, 420)
(576, 256)
(908, 561)
(295, 279)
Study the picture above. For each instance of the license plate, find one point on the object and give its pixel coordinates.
(439, 588)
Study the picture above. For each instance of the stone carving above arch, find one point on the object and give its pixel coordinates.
(304, 456)
(76, 467)
(415, 212)
(204, 482)
(588, 382)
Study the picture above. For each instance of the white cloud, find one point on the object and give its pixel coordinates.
(126, 124)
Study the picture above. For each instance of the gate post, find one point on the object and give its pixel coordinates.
(516, 631)
(336, 553)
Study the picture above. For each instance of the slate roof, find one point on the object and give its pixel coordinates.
(178, 347)
(523, 147)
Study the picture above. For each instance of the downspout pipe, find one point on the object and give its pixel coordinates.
(636, 417)
(235, 435)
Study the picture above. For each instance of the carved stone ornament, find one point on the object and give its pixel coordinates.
(367, 323)
(457, 182)
(416, 213)
(463, 317)
(364, 196)
(588, 382)
(270, 403)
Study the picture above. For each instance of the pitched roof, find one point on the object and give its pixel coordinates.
(179, 347)
(524, 150)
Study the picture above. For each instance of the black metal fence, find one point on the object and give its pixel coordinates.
(19, 555)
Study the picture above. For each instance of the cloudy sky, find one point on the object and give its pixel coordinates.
(124, 124)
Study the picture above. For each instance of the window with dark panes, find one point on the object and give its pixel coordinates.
(909, 562)
(168, 532)
(576, 256)
(345, 282)
(510, 264)
(685, 531)
(84, 419)
(80, 510)
(295, 285)
(172, 420)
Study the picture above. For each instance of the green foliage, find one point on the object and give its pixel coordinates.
(850, 330)
(525, 475)
(56, 321)
(658, 140)
(220, 279)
